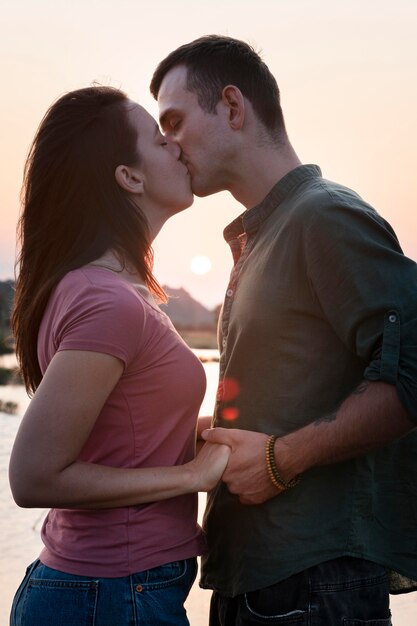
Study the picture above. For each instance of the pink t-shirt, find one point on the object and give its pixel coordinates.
(148, 420)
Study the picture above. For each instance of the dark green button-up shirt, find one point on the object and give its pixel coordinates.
(320, 297)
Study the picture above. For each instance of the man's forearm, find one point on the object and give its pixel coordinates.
(369, 418)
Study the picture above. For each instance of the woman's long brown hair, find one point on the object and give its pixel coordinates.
(73, 210)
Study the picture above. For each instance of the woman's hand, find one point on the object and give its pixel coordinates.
(208, 466)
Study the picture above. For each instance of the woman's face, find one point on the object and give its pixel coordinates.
(166, 181)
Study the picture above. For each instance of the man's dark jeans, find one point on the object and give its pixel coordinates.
(343, 592)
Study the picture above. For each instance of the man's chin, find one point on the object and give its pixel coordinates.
(201, 191)
(202, 194)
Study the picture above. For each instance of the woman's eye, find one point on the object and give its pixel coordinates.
(164, 143)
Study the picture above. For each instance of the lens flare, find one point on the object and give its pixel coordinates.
(230, 413)
(228, 390)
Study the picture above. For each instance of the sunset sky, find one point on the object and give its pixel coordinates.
(347, 71)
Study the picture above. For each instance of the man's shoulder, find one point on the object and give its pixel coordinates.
(323, 193)
(325, 200)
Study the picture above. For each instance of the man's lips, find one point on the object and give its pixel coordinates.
(184, 159)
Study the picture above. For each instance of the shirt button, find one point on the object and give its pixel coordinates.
(392, 318)
(224, 341)
(229, 293)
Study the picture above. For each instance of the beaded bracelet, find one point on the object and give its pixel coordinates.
(273, 472)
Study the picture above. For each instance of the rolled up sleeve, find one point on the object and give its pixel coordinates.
(395, 360)
(367, 289)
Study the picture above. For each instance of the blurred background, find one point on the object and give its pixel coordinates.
(347, 72)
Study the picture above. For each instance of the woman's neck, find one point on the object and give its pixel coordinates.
(112, 261)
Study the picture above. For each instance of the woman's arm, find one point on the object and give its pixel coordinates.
(44, 470)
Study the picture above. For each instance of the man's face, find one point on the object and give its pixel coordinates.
(203, 137)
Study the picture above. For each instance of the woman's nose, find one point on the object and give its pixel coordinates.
(175, 148)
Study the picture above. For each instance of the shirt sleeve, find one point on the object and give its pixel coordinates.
(367, 290)
(105, 318)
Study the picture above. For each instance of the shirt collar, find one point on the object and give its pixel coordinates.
(250, 221)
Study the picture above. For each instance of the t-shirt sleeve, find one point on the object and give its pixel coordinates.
(105, 318)
(367, 290)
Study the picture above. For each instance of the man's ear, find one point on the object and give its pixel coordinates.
(233, 99)
(129, 178)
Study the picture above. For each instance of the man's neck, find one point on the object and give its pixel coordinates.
(258, 174)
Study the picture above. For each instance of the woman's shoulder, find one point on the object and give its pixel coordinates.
(95, 295)
(96, 283)
(94, 308)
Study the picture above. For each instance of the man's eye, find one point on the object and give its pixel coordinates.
(164, 143)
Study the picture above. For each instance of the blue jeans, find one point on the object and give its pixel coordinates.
(342, 592)
(154, 597)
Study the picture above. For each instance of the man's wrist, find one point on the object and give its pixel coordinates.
(275, 476)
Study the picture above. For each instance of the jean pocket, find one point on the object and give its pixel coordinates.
(161, 599)
(255, 614)
(17, 600)
(169, 574)
(51, 602)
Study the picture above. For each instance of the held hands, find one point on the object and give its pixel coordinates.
(246, 474)
(208, 466)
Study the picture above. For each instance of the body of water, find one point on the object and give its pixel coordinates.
(19, 528)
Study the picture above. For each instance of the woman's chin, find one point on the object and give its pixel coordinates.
(189, 203)
(183, 206)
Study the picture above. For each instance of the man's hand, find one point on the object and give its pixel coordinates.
(371, 417)
(246, 474)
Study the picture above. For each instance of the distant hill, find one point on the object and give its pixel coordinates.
(185, 312)
(195, 323)
(6, 299)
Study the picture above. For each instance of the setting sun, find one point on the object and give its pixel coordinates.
(200, 265)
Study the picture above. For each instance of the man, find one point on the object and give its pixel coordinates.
(318, 348)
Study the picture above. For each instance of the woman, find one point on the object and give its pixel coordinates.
(108, 440)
